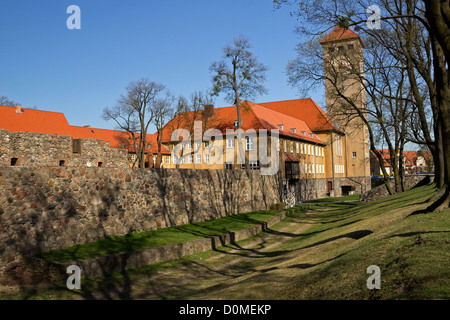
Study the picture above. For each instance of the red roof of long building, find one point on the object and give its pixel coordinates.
(31, 120)
(253, 116)
(306, 110)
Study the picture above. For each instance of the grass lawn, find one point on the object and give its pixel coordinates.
(159, 237)
(352, 197)
(319, 253)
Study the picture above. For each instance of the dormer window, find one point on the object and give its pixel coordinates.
(281, 126)
(304, 133)
(236, 123)
(293, 130)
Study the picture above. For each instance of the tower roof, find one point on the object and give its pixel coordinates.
(340, 34)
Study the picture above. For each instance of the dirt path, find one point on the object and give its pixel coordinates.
(166, 280)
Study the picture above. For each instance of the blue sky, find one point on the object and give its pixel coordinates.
(43, 64)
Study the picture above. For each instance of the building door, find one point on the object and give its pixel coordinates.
(330, 185)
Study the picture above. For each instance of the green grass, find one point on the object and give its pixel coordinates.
(334, 199)
(319, 253)
(159, 237)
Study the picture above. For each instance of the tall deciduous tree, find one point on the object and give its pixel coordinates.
(434, 16)
(135, 111)
(239, 75)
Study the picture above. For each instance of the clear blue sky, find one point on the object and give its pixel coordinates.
(43, 64)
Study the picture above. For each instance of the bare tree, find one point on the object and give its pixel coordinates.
(434, 17)
(239, 75)
(163, 112)
(5, 101)
(186, 114)
(134, 112)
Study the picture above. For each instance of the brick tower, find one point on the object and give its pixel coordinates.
(344, 90)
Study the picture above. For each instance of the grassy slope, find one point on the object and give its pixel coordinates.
(160, 237)
(321, 254)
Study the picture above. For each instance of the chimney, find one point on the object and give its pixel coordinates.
(18, 108)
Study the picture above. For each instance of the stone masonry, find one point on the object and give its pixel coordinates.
(48, 208)
(29, 149)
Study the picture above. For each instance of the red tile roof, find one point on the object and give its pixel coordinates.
(306, 110)
(31, 120)
(339, 34)
(253, 116)
(291, 158)
(410, 157)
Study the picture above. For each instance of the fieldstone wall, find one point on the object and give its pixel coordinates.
(50, 208)
(408, 182)
(47, 150)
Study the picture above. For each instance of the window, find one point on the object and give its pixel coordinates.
(100, 164)
(309, 149)
(183, 160)
(350, 47)
(298, 147)
(228, 166)
(293, 130)
(236, 122)
(206, 144)
(292, 146)
(206, 158)
(14, 161)
(62, 163)
(301, 148)
(190, 158)
(154, 160)
(254, 165)
(198, 158)
(133, 158)
(341, 48)
(280, 126)
(167, 159)
(198, 145)
(353, 154)
(249, 145)
(284, 146)
(230, 143)
(189, 146)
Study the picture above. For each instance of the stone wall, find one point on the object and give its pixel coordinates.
(47, 150)
(408, 182)
(50, 208)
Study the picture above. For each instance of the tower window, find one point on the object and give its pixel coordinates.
(62, 163)
(14, 161)
(350, 47)
(100, 164)
(353, 154)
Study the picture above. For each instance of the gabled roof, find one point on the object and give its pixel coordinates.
(253, 116)
(340, 34)
(31, 120)
(306, 110)
(410, 157)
